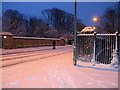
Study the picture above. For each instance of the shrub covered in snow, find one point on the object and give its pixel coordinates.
(115, 60)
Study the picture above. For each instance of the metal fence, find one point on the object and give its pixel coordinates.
(97, 48)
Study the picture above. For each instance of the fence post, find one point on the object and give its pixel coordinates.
(117, 42)
(94, 53)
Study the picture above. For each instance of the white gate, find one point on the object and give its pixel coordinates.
(97, 48)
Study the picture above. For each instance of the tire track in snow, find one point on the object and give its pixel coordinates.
(15, 56)
(36, 59)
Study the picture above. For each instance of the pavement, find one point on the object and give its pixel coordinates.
(43, 67)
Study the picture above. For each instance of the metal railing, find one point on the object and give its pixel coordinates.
(97, 48)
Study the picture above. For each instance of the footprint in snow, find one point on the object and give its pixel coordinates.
(13, 83)
(99, 81)
(89, 83)
(30, 78)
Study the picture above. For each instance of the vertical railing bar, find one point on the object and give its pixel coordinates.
(98, 45)
(110, 47)
(83, 46)
(86, 45)
(104, 51)
(94, 57)
(91, 48)
(113, 44)
(116, 41)
(101, 49)
(107, 49)
(80, 47)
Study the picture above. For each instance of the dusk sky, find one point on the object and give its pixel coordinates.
(85, 10)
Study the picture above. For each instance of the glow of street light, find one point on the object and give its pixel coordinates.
(94, 28)
(95, 19)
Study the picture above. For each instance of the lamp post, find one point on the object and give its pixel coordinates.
(95, 19)
(74, 57)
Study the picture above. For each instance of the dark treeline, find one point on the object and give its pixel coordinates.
(58, 23)
(109, 22)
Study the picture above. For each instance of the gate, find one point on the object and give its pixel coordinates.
(97, 48)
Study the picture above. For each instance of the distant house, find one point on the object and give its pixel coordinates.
(87, 30)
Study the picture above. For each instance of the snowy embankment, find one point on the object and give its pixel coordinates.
(56, 71)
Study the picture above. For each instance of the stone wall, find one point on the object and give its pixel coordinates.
(11, 42)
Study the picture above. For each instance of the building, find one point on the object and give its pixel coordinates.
(87, 30)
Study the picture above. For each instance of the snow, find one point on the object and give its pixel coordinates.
(21, 50)
(52, 69)
(38, 38)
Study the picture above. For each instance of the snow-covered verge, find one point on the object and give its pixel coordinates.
(87, 61)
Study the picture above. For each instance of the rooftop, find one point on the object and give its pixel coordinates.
(5, 33)
(87, 29)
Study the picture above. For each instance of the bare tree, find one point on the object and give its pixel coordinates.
(12, 21)
(109, 21)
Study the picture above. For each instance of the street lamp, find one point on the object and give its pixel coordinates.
(75, 31)
(94, 27)
(95, 19)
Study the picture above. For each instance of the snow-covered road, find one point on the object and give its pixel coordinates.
(52, 69)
